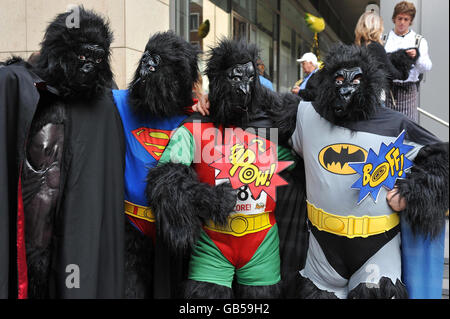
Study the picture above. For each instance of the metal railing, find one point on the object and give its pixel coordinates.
(434, 117)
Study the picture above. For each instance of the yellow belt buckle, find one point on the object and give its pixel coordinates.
(239, 224)
(139, 211)
(351, 226)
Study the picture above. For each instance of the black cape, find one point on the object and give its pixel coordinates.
(90, 228)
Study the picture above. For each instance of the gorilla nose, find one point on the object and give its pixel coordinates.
(244, 88)
(87, 68)
(346, 92)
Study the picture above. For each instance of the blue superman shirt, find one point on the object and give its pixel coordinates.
(146, 139)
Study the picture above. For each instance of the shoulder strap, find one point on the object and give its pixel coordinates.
(384, 38)
(419, 38)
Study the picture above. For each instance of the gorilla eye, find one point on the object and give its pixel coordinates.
(357, 80)
(98, 60)
(339, 80)
(236, 78)
(82, 57)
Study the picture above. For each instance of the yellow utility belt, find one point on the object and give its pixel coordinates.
(138, 211)
(351, 226)
(240, 224)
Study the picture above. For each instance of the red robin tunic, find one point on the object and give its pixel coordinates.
(202, 145)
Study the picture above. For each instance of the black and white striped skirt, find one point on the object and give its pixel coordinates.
(403, 97)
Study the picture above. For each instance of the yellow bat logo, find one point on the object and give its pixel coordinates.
(335, 158)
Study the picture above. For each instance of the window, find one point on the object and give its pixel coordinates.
(240, 28)
(193, 21)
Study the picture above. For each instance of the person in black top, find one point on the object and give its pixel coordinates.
(368, 32)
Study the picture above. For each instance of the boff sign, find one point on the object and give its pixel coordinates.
(382, 169)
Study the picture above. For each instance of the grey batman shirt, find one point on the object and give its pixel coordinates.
(327, 149)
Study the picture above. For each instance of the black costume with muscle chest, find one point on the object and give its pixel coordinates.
(62, 169)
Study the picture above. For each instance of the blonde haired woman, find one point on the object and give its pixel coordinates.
(369, 28)
(368, 32)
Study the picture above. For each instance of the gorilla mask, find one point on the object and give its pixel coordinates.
(149, 64)
(347, 84)
(351, 84)
(89, 57)
(241, 78)
(163, 81)
(75, 60)
(233, 82)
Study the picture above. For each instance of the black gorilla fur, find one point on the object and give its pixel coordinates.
(366, 99)
(364, 102)
(168, 91)
(224, 56)
(205, 290)
(58, 67)
(307, 290)
(258, 292)
(221, 58)
(196, 206)
(165, 92)
(403, 62)
(58, 61)
(138, 264)
(385, 289)
(425, 186)
(426, 190)
(191, 203)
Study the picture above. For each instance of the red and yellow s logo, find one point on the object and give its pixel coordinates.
(153, 140)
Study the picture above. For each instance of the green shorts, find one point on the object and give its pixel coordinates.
(208, 264)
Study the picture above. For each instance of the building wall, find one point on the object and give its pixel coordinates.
(220, 27)
(23, 23)
(432, 21)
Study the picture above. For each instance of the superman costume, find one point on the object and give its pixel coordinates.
(150, 271)
(146, 139)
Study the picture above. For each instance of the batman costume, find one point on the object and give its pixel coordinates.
(62, 164)
(359, 247)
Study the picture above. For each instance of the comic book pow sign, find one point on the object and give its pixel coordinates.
(252, 161)
(382, 169)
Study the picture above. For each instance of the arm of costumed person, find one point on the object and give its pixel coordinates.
(284, 116)
(425, 190)
(180, 202)
(399, 64)
(309, 93)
